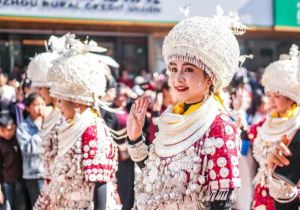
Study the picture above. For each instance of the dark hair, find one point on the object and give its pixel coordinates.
(110, 83)
(25, 83)
(256, 101)
(6, 118)
(30, 98)
(165, 86)
(211, 87)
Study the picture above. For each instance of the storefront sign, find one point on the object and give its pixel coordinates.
(287, 13)
(252, 12)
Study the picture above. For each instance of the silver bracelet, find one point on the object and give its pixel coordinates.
(138, 151)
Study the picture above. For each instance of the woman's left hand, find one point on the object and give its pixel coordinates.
(278, 156)
(136, 118)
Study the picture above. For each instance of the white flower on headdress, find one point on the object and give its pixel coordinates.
(92, 46)
(57, 44)
(68, 45)
(232, 21)
(185, 10)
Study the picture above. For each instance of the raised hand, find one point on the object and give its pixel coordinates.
(136, 118)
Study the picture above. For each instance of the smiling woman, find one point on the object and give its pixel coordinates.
(193, 162)
(281, 83)
(190, 82)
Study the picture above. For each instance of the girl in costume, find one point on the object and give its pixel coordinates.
(281, 84)
(193, 161)
(37, 72)
(86, 162)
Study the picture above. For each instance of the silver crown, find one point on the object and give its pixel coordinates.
(39, 67)
(286, 73)
(208, 43)
(79, 75)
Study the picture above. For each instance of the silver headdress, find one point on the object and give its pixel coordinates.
(208, 43)
(283, 76)
(41, 64)
(39, 67)
(79, 75)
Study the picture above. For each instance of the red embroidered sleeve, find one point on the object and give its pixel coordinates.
(252, 131)
(223, 148)
(100, 156)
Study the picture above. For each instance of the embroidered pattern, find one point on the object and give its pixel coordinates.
(201, 173)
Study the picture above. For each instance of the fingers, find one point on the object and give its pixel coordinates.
(279, 158)
(145, 103)
(132, 118)
(282, 148)
(132, 108)
(141, 104)
(285, 139)
(138, 104)
(273, 160)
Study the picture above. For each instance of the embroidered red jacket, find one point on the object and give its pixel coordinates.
(223, 162)
(100, 155)
(261, 196)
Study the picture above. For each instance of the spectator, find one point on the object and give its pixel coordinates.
(260, 108)
(12, 195)
(125, 79)
(30, 141)
(17, 73)
(282, 88)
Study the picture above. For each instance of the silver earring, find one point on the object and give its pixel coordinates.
(77, 113)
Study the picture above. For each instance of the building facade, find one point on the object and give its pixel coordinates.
(133, 30)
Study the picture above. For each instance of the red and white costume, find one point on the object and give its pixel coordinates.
(261, 148)
(38, 70)
(193, 161)
(86, 153)
(281, 77)
(189, 173)
(49, 145)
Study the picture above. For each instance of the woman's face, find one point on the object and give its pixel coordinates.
(44, 92)
(68, 108)
(36, 108)
(189, 83)
(3, 80)
(120, 101)
(19, 94)
(264, 107)
(279, 103)
(8, 132)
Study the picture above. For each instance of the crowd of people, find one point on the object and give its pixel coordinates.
(205, 133)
